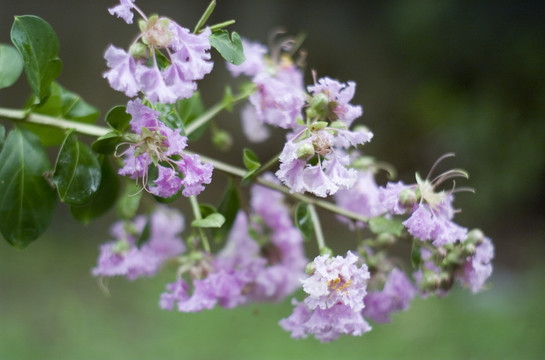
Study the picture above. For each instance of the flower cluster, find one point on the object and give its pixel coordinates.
(145, 68)
(156, 146)
(261, 261)
(132, 254)
(431, 211)
(262, 258)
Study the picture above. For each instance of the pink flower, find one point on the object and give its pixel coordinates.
(396, 295)
(123, 10)
(156, 146)
(478, 267)
(125, 257)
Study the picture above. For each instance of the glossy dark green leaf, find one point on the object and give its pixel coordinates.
(228, 207)
(128, 203)
(379, 225)
(189, 110)
(27, 200)
(61, 103)
(214, 220)
(107, 144)
(104, 198)
(118, 118)
(77, 171)
(229, 48)
(303, 220)
(11, 65)
(39, 47)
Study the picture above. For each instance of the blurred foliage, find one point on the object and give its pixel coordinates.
(478, 70)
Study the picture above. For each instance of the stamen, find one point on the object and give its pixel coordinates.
(454, 173)
(447, 155)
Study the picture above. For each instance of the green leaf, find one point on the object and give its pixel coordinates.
(168, 114)
(65, 104)
(39, 47)
(416, 256)
(107, 143)
(77, 171)
(11, 65)
(118, 118)
(189, 110)
(130, 200)
(27, 201)
(145, 235)
(104, 198)
(228, 207)
(229, 48)
(250, 159)
(214, 220)
(251, 162)
(207, 209)
(379, 225)
(303, 220)
(2, 136)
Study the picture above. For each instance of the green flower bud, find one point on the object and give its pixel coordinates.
(326, 251)
(408, 198)
(475, 236)
(318, 106)
(222, 140)
(385, 239)
(305, 150)
(310, 269)
(139, 51)
(361, 128)
(363, 163)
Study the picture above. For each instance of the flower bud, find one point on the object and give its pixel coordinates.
(310, 269)
(318, 106)
(222, 140)
(363, 163)
(475, 236)
(385, 239)
(305, 150)
(408, 198)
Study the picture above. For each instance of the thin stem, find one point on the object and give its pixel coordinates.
(269, 164)
(198, 216)
(21, 115)
(233, 170)
(205, 16)
(212, 112)
(221, 25)
(94, 130)
(317, 227)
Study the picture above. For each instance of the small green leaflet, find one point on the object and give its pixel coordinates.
(229, 48)
(11, 65)
(27, 200)
(228, 207)
(303, 220)
(118, 118)
(214, 220)
(251, 162)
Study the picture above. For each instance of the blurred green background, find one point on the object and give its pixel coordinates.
(433, 77)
